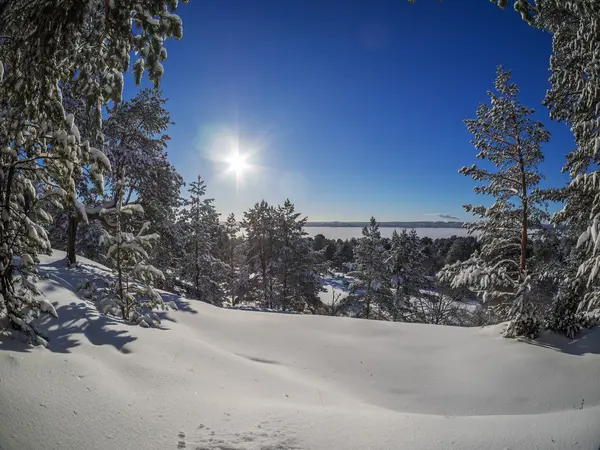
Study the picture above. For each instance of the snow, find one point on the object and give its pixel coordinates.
(98, 155)
(215, 378)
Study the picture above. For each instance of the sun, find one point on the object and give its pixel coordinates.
(237, 163)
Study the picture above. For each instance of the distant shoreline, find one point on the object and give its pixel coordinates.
(425, 224)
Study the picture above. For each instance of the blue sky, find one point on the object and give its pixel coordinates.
(350, 109)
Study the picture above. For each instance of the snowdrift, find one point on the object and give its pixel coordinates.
(216, 378)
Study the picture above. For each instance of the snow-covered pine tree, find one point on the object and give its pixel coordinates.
(63, 230)
(506, 135)
(131, 294)
(160, 197)
(259, 225)
(136, 145)
(231, 230)
(135, 142)
(46, 44)
(574, 98)
(295, 263)
(372, 286)
(242, 280)
(202, 265)
(406, 266)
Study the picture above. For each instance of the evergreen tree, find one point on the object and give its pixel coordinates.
(506, 135)
(408, 276)
(344, 255)
(574, 98)
(231, 230)
(296, 264)
(46, 45)
(63, 230)
(202, 265)
(372, 286)
(259, 225)
(243, 285)
(135, 144)
(132, 292)
(160, 198)
(319, 242)
(461, 249)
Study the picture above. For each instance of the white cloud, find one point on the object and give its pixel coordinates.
(444, 216)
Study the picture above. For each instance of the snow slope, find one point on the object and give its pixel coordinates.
(228, 379)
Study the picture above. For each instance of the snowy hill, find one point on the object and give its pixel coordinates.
(227, 379)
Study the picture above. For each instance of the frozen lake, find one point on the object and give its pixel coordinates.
(356, 232)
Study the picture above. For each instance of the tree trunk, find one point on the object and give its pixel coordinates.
(524, 240)
(232, 279)
(284, 291)
(522, 264)
(524, 197)
(71, 237)
(197, 264)
(263, 268)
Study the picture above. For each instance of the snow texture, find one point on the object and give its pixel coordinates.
(217, 378)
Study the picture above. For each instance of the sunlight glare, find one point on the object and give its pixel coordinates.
(237, 163)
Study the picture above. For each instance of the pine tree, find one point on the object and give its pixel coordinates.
(160, 198)
(131, 295)
(574, 98)
(63, 230)
(202, 265)
(243, 285)
(372, 285)
(46, 45)
(259, 226)
(506, 135)
(231, 230)
(295, 263)
(135, 143)
(408, 276)
(344, 254)
(461, 249)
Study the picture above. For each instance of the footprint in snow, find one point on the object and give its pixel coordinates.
(181, 443)
(266, 436)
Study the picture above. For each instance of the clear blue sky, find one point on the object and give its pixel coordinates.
(351, 109)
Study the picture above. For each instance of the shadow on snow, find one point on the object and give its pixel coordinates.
(586, 342)
(81, 319)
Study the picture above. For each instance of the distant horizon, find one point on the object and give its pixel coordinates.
(386, 224)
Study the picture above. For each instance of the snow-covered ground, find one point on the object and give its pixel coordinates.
(337, 286)
(227, 379)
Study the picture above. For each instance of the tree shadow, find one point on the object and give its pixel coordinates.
(70, 278)
(78, 321)
(81, 320)
(182, 304)
(586, 342)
